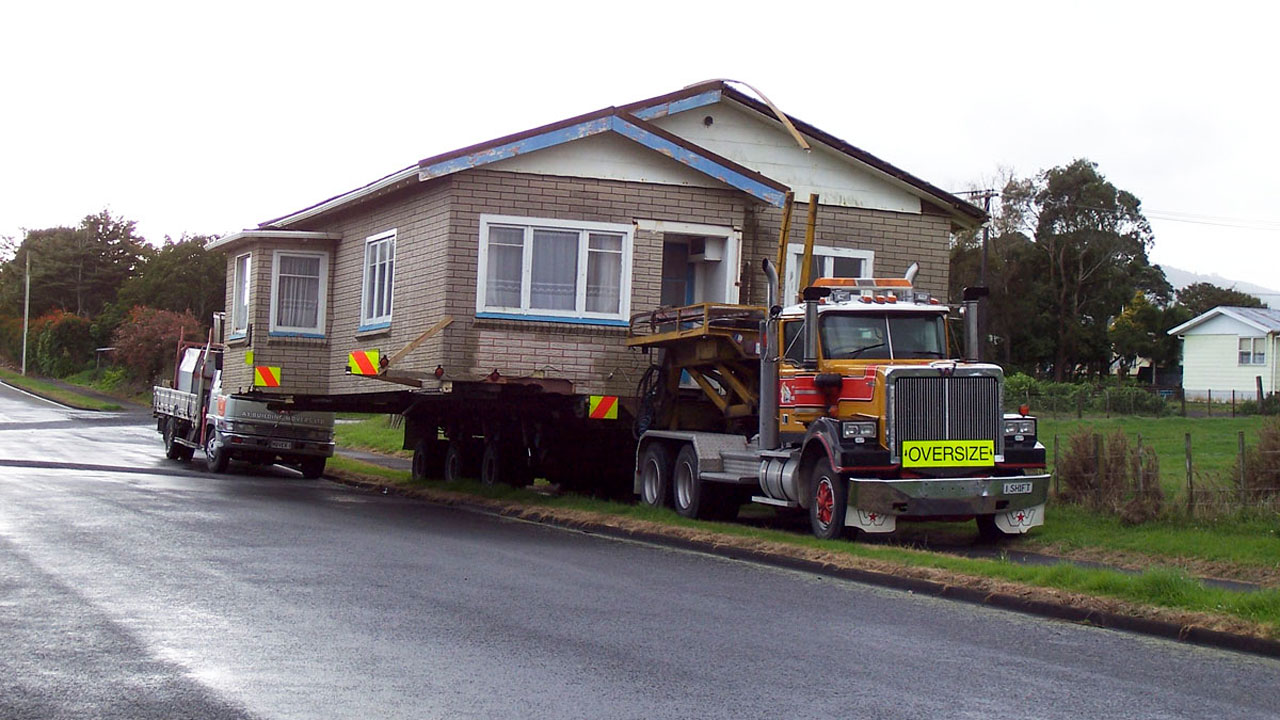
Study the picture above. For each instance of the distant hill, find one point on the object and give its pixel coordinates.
(1179, 279)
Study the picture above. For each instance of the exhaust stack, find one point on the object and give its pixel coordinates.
(971, 297)
(770, 353)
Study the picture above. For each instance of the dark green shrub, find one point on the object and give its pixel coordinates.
(63, 344)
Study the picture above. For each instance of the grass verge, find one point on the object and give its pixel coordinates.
(370, 432)
(56, 393)
(1166, 594)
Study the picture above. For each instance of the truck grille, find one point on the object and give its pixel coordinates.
(946, 408)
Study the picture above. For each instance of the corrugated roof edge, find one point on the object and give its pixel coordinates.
(1264, 319)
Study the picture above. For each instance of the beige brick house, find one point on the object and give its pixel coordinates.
(540, 246)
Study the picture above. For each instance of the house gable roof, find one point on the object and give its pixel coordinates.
(1264, 320)
(633, 122)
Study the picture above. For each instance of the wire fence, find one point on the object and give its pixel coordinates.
(1064, 401)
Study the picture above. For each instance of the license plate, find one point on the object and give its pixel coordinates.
(281, 445)
(1017, 488)
(948, 453)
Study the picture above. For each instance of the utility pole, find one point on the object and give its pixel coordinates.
(26, 313)
(982, 278)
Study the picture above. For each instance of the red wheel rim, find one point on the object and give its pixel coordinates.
(825, 502)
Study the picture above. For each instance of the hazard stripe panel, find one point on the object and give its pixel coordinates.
(363, 362)
(603, 407)
(265, 376)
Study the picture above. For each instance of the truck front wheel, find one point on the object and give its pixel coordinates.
(215, 456)
(828, 502)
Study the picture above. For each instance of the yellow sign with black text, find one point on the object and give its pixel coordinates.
(948, 453)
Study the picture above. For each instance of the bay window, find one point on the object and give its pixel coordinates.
(299, 286)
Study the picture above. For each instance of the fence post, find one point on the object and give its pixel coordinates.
(1079, 406)
(1097, 465)
(1240, 436)
(1140, 488)
(1208, 403)
(1258, 380)
(1233, 403)
(1057, 487)
(1191, 486)
(1106, 395)
(1184, 402)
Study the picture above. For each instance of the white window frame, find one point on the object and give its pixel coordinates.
(584, 229)
(795, 252)
(240, 279)
(370, 244)
(1255, 357)
(321, 313)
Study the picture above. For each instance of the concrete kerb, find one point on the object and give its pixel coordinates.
(1098, 618)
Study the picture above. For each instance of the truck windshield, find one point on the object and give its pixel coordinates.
(882, 337)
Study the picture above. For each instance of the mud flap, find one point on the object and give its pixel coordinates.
(870, 521)
(1015, 522)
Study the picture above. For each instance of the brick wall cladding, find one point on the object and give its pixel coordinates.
(437, 237)
(593, 357)
(898, 239)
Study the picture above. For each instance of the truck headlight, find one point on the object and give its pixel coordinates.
(858, 430)
(1020, 426)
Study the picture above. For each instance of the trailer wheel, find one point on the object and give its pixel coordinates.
(428, 459)
(655, 475)
(216, 457)
(456, 460)
(312, 467)
(829, 500)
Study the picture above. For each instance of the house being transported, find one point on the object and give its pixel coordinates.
(529, 254)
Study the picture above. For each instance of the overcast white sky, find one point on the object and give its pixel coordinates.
(206, 118)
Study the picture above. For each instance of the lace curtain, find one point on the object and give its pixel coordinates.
(298, 299)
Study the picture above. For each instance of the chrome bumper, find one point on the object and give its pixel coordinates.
(939, 497)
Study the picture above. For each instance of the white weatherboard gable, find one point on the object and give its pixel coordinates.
(746, 138)
(607, 156)
(1224, 325)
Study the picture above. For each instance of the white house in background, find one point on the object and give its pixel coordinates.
(1228, 348)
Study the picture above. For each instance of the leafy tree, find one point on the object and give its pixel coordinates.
(1200, 298)
(78, 269)
(1135, 332)
(147, 341)
(180, 276)
(62, 344)
(1089, 244)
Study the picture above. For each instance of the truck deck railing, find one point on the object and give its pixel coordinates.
(656, 328)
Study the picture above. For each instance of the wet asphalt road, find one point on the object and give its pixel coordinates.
(133, 587)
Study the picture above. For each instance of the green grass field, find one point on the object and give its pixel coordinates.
(1214, 442)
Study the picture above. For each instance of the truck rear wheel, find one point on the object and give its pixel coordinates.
(460, 460)
(216, 457)
(655, 475)
(689, 492)
(504, 464)
(172, 448)
(312, 467)
(828, 502)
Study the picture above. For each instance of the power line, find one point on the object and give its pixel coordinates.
(1165, 215)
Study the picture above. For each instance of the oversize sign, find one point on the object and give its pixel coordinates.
(948, 453)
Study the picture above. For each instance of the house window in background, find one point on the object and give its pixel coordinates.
(827, 262)
(1253, 351)
(240, 297)
(299, 283)
(379, 275)
(553, 269)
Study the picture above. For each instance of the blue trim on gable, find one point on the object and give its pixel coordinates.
(519, 147)
(550, 318)
(709, 97)
(698, 162)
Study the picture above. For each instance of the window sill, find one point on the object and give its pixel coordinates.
(551, 319)
(373, 329)
(291, 334)
(238, 340)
